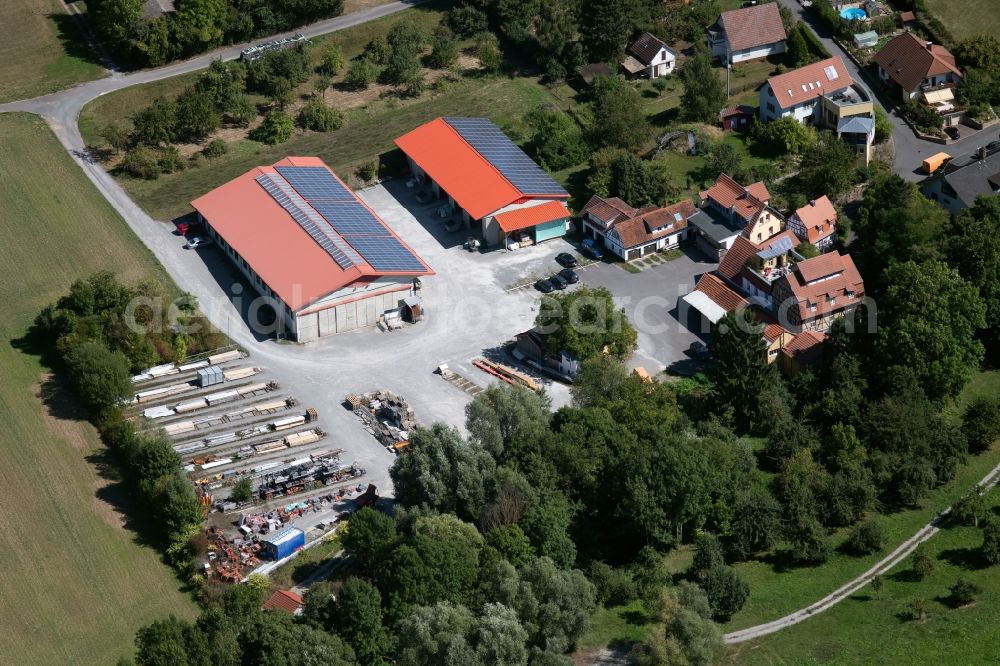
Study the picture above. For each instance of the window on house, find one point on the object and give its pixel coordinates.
(759, 237)
(772, 353)
(832, 300)
(812, 307)
(770, 107)
(849, 294)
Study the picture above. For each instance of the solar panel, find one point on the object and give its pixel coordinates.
(509, 160)
(315, 183)
(333, 216)
(386, 253)
(314, 225)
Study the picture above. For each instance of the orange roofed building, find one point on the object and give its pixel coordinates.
(313, 250)
(487, 179)
(815, 223)
(815, 292)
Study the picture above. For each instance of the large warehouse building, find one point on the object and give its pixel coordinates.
(487, 179)
(321, 257)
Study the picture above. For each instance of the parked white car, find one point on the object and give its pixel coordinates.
(197, 241)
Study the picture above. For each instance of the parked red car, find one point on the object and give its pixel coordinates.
(184, 228)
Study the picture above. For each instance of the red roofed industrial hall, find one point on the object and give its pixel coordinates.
(488, 179)
(314, 251)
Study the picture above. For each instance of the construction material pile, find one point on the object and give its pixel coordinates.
(386, 416)
(506, 373)
(302, 475)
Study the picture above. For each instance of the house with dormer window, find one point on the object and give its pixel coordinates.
(650, 230)
(732, 210)
(815, 223)
(817, 291)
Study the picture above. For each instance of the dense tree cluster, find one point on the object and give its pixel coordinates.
(101, 332)
(197, 25)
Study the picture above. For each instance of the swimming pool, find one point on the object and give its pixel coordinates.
(853, 14)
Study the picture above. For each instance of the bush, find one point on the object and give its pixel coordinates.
(169, 160)
(981, 423)
(142, 162)
(276, 128)
(333, 61)
(368, 171)
(215, 148)
(489, 53)
(466, 20)
(361, 74)
(242, 490)
(921, 563)
(963, 592)
(101, 377)
(615, 587)
(319, 117)
(990, 549)
(726, 591)
(866, 538)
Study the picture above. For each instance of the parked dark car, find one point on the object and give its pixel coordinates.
(559, 282)
(699, 349)
(952, 132)
(569, 275)
(544, 286)
(591, 248)
(566, 259)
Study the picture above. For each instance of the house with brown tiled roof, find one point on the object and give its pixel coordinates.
(914, 66)
(650, 57)
(600, 214)
(804, 350)
(815, 223)
(713, 299)
(817, 291)
(752, 268)
(731, 210)
(650, 230)
(747, 34)
(285, 601)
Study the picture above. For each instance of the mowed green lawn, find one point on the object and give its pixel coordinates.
(965, 18)
(76, 584)
(865, 629)
(41, 50)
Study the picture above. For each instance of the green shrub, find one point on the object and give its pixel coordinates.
(215, 148)
(276, 128)
(866, 538)
(142, 162)
(319, 117)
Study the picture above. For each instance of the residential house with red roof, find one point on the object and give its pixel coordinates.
(732, 210)
(484, 177)
(747, 34)
(822, 94)
(914, 67)
(316, 253)
(713, 299)
(600, 214)
(650, 230)
(804, 350)
(817, 291)
(815, 223)
(649, 57)
(285, 601)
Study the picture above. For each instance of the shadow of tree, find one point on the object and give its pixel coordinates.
(963, 558)
(72, 38)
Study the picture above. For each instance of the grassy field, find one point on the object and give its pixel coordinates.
(41, 50)
(965, 18)
(869, 629)
(76, 582)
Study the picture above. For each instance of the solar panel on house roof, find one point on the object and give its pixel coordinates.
(522, 172)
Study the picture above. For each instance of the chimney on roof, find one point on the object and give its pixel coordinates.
(812, 202)
(929, 45)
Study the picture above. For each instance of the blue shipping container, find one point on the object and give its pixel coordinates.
(284, 543)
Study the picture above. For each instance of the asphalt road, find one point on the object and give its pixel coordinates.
(909, 150)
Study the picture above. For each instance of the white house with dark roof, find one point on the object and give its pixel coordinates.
(650, 57)
(747, 34)
(958, 185)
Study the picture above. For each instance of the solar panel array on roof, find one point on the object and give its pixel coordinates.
(314, 225)
(522, 172)
(344, 226)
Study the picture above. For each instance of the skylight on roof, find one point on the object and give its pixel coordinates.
(831, 72)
